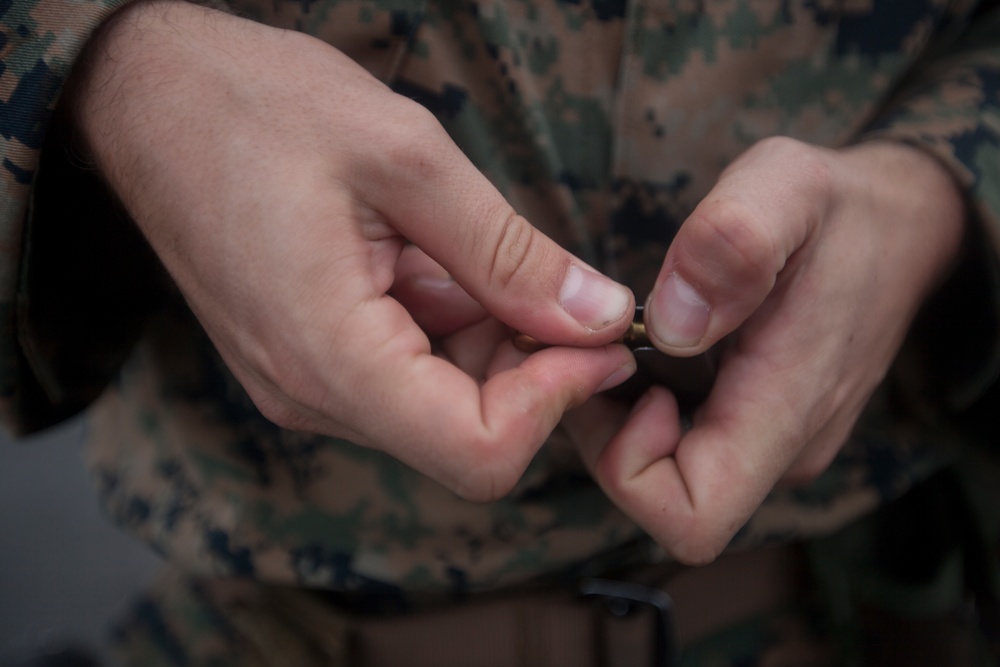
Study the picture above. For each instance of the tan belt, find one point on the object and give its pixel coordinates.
(540, 629)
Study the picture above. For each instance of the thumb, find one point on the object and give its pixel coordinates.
(727, 256)
(451, 211)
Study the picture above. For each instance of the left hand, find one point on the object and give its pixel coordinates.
(818, 260)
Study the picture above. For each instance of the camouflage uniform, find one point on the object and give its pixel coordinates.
(604, 122)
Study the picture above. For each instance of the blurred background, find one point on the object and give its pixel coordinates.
(65, 571)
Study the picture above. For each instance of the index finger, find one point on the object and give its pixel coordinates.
(475, 439)
(693, 491)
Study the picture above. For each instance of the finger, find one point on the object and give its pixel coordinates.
(477, 440)
(474, 348)
(593, 425)
(507, 356)
(728, 254)
(693, 491)
(436, 198)
(653, 428)
(434, 300)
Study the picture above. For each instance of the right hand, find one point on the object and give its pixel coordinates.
(278, 182)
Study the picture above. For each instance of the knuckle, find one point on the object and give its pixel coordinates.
(730, 237)
(808, 164)
(695, 547)
(407, 139)
(489, 474)
(276, 411)
(510, 256)
(689, 536)
(697, 555)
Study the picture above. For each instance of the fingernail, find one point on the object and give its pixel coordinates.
(678, 314)
(619, 376)
(592, 299)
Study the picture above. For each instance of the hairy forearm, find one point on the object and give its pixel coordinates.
(147, 62)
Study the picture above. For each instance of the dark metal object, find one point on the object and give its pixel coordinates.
(689, 378)
(622, 598)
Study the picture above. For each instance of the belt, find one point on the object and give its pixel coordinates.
(609, 624)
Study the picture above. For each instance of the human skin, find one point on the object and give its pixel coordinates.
(816, 261)
(816, 258)
(819, 260)
(278, 183)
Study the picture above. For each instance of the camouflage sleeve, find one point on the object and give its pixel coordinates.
(39, 44)
(950, 107)
(76, 277)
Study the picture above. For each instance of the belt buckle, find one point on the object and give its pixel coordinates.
(622, 598)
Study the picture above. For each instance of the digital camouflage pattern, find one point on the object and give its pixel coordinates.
(239, 623)
(39, 43)
(604, 122)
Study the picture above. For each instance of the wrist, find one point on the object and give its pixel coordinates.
(915, 198)
(135, 67)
